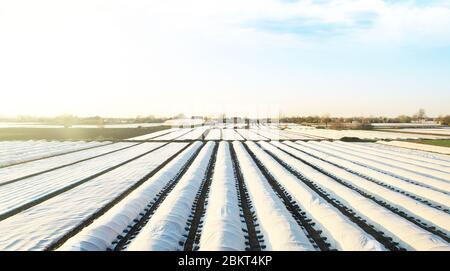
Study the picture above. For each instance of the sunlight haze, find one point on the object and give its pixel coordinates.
(128, 58)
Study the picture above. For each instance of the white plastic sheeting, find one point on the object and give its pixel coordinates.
(19, 193)
(273, 134)
(174, 135)
(433, 196)
(214, 134)
(195, 134)
(295, 134)
(102, 232)
(264, 134)
(441, 131)
(39, 226)
(385, 167)
(341, 232)
(421, 168)
(279, 228)
(408, 205)
(230, 134)
(222, 227)
(429, 161)
(250, 134)
(433, 166)
(154, 134)
(417, 146)
(408, 234)
(418, 153)
(166, 227)
(13, 152)
(363, 134)
(21, 170)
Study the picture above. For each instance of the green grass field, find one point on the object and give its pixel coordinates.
(435, 142)
(87, 134)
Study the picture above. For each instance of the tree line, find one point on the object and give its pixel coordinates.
(326, 120)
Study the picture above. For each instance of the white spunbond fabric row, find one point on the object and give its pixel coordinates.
(260, 133)
(174, 135)
(322, 133)
(230, 134)
(214, 134)
(406, 233)
(195, 134)
(47, 222)
(440, 131)
(154, 134)
(334, 134)
(222, 226)
(272, 134)
(418, 159)
(341, 232)
(384, 167)
(426, 164)
(102, 232)
(280, 230)
(40, 149)
(166, 227)
(24, 149)
(20, 193)
(383, 135)
(250, 135)
(417, 146)
(298, 134)
(22, 170)
(425, 154)
(431, 177)
(256, 132)
(436, 197)
(440, 175)
(410, 206)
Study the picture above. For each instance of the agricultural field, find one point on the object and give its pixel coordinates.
(434, 142)
(440, 131)
(436, 146)
(76, 133)
(387, 134)
(225, 188)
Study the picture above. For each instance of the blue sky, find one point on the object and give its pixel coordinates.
(127, 58)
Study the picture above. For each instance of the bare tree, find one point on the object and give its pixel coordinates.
(326, 119)
(420, 115)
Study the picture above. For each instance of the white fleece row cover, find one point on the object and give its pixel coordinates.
(417, 146)
(431, 195)
(401, 230)
(222, 230)
(342, 234)
(410, 206)
(12, 152)
(166, 227)
(100, 235)
(279, 228)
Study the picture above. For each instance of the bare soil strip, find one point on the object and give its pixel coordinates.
(198, 209)
(245, 204)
